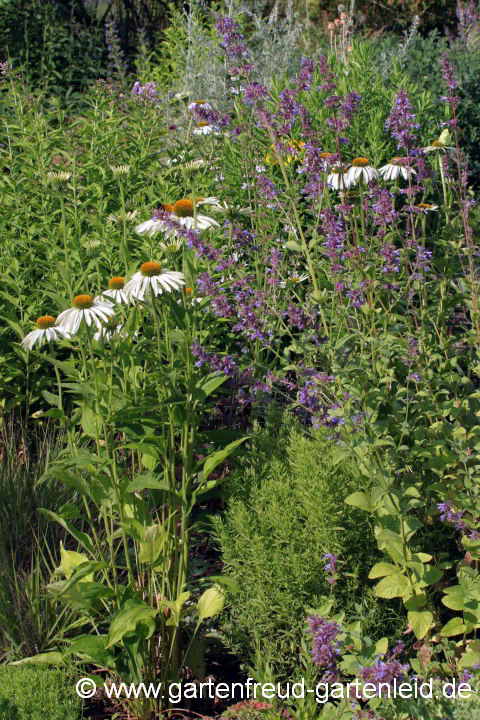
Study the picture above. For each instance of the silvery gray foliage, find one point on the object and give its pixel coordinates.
(273, 47)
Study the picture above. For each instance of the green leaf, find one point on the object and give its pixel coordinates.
(51, 398)
(415, 602)
(207, 385)
(69, 561)
(211, 603)
(49, 658)
(360, 500)
(93, 648)
(420, 620)
(152, 545)
(382, 569)
(80, 536)
(148, 481)
(381, 646)
(216, 458)
(126, 620)
(195, 658)
(395, 585)
(454, 626)
(90, 422)
(293, 245)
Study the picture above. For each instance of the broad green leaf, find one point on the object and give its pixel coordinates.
(382, 569)
(69, 561)
(152, 545)
(91, 422)
(381, 646)
(454, 598)
(216, 458)
(126, 620)
(210, 603)
(415, 602)
(454, 626)
(293, 245)
(360, 500)
(93, 648)
(395, 585)
(420, 620)
(467, 659)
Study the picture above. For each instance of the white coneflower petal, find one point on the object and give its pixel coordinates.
(85, 308)
(196, 104)
(338, 179)
(294, 279)
(394, 168)
(361, 170)
(46, 331)
(426, 207)
(149, 227)
(204, 128)
(152, 277)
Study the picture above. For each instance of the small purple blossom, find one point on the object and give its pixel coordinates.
(402, 121)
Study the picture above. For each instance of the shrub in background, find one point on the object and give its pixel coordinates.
(284, 513)
(56, 52)
(38, 694)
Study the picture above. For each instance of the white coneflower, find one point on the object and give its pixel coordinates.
(394, 168)
(190, 297)
(115, 291)
(108, 330)
(231, 211)
(58, 177)
(426, 207)
(194, 164)
(361, 170)
(46, 331)
(204, 128)
(120, 219)
(118, 170)
(85, 308)
(182, 212)
(294, 279)
(172, 245)
(92, 245)
(338, 177)
(153, 278)
(197, 104)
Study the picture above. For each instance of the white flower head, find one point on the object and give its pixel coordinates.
(293, 279)
(337, 178)
(115, 292)
(204, 128)
(46, 331)
(182, 214)
(361, 170)
(426, 207)
(152, 278)
(111, 328)
(119, 218)
(85, 308)
(197, 104)
(394, 168)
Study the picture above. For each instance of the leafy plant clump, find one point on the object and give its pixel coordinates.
(38, 693)
(285, 513)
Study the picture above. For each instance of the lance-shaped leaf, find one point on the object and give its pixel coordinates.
(126, 620)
